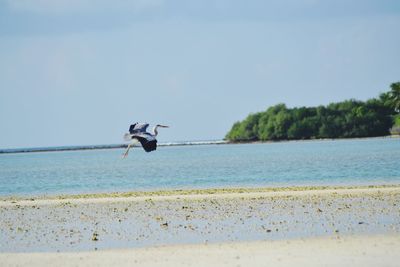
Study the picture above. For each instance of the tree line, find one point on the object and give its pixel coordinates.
(346, 119)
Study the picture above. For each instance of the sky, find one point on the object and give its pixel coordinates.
(79, 72)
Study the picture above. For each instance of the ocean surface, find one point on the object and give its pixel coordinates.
(296, 163)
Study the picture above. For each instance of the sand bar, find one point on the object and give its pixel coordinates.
(108, 222)
(303, 226)
(199, 194)
(327, 251)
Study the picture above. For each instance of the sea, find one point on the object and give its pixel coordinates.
(346, 162)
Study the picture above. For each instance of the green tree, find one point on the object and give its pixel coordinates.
(395, 96)
(350, 118)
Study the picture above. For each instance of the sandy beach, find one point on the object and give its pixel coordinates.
(327, 251)
(357, 226)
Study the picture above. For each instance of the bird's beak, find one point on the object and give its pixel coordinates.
(164, 126)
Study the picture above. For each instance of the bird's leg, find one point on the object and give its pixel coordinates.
(127, 151)
(129, 146)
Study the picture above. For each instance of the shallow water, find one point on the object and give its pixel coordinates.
(338, 162)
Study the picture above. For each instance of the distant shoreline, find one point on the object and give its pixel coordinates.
(167, 144)
(97, 147)
(312, 139)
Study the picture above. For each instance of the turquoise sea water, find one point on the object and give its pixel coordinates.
(338, 162)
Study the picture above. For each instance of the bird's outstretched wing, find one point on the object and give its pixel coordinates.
(149, 142)
(138, 128)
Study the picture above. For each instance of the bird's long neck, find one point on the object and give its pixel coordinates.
(155, 132)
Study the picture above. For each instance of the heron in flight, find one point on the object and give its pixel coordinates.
(137, 133)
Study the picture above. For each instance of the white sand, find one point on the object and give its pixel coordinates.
(327, 251)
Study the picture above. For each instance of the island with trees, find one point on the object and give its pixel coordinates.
(348, 119)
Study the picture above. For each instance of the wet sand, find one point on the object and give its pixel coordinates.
(250, 223)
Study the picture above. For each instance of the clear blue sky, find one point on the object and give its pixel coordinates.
(75, 72)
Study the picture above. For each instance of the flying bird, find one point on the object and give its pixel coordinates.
(137, 133)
